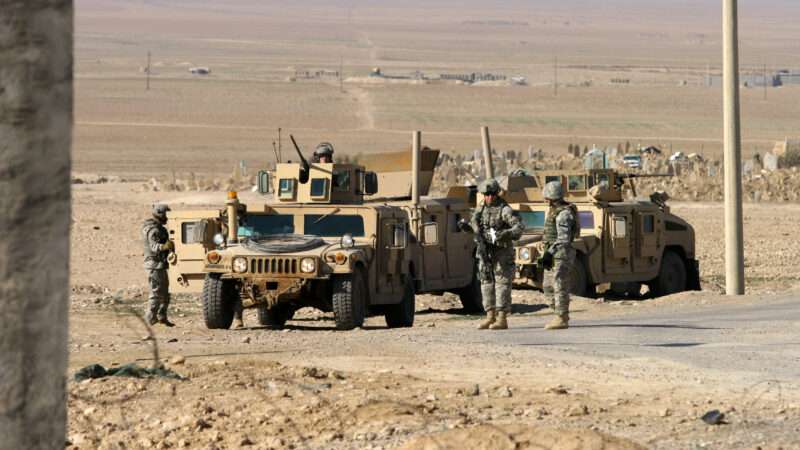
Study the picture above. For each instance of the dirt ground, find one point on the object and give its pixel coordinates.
(312, 387)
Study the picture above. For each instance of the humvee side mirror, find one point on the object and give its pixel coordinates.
(264, 182)
(430, 233)
(370, 183)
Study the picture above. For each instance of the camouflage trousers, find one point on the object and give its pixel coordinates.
(557, 284)
(158, 301)
(496, 292)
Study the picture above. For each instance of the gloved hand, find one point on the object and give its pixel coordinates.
(168, 246)
(504, 236)
(547, 261)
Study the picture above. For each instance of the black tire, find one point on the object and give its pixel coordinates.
(580, 278)
(672, 277)
(470, 295)
(401, 315)
(275, 317)
(349, 300)
(219, 297)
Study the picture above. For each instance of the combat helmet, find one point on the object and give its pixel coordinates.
(160, 211)
(323, 149)
(553, 191)
(489, 187)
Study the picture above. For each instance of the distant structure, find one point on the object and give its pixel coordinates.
(472, 77)
(300, 74)
(376, 72)
(773, 80)
(200, 71)
(787, 77)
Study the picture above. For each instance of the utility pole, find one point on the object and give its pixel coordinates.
(148, 70)
(487, 153)
(734, 240)
(555, 76)
(36, 106)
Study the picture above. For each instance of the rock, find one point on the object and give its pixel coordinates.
(245, 441)
(313, 372)
(274, 442)
(431, 398)
(713, 417)
(183, 443)
(172, 340)
(89, 411)
(578, 411)
(177, 360)
(504, 391)
(246, 340)
(473, 391)
(558, 390)
(665, 412)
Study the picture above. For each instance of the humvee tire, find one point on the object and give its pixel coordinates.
(275, 317)
(672, 276)
(402, 314)
(218, 300)
(349, 300)
(470, 295)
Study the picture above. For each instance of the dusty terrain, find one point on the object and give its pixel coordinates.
(629, 373)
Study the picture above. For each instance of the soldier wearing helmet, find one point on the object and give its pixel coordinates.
(323, 153)
(157, 247)
(561, 227)
(496, 226)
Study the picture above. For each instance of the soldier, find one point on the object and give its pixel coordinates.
(560, 228)
(157, 247)
(323, 153)
(496, 226)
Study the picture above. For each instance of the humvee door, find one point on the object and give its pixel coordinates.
(193, 233)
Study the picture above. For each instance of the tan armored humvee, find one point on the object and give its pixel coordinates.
(623, 244)
(330, 240)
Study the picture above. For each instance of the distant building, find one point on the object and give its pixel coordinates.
(787, 77)
(200, 71)
(747, 80)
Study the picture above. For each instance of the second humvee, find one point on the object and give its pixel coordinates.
(623, 244)
(329, 239)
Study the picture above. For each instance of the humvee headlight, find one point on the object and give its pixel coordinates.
(347, 241)
(525, 254)
(219, 239)
(341, 258)
(213, 257)
(308, 265)
(240, 265)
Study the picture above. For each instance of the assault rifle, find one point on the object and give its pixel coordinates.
(483, 250)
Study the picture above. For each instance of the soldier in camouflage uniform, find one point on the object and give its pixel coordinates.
(157, 246)
(560, 229)
(496, 226)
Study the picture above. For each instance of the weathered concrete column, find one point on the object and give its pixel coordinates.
(487, 153)
(35, 139)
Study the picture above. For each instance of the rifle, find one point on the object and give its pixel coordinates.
(482, 250)
(305, 167)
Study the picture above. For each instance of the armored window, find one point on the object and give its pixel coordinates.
(576, 183)
(620, 227)
(319, 187)
(333, 225)
(341, 181)
(586, 219)
(255, 225)
(648, 224)
(601, 178)
(187, 233)
(550, 178)
(286, 188)
(532, 219)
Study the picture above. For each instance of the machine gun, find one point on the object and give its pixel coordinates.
(304, 169)
(483, 250)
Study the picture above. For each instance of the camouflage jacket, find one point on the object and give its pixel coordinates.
(498, 219)
(153, 235)
(561, 228)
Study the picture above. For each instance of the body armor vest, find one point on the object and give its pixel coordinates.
(550, 229)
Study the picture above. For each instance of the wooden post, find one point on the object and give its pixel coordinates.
(487, 153)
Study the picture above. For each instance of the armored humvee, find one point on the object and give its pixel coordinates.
(623, 244)
(329, 239)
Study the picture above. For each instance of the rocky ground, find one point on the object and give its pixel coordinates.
(435, 386)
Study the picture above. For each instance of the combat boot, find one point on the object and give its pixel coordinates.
(501, 323)
(559, 322)
(164, 321)
(238, 323)
(488, 321)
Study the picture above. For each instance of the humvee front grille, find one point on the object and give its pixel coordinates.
(273, 265)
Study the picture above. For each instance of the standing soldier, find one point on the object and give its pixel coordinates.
(560, 228)
(157, 247)
(496, 227)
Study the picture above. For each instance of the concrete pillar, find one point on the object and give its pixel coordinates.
(734, 241)
(487, 153)
(35, 139)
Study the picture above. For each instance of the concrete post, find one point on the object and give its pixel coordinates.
(487, 153)
(416, 145)
(734, 241)
(35, 138)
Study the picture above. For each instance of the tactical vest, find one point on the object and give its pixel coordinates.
(154, 259)
(550, 229)
(491, 217)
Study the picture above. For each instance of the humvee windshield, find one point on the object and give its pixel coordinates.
(265, 224)
(534, 220)
(333, 225)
